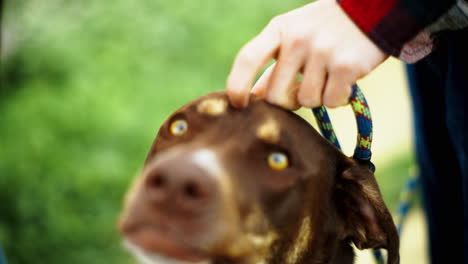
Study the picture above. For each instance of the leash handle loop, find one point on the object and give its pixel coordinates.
(364, 124)
(358, 102)
(362, 151)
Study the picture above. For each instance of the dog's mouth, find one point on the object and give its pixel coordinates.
(147, 257)
(157, 247)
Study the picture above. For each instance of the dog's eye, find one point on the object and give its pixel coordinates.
(179, 127)
(278, 161)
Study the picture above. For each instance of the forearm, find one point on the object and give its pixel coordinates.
(406, 28)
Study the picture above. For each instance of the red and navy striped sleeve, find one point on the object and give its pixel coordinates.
(398, 26)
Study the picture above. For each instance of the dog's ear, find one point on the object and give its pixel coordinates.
(367, 221)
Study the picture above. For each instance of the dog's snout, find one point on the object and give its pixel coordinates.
(179, 184)
(188, 187)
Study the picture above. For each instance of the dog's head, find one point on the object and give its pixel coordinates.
(257, 185)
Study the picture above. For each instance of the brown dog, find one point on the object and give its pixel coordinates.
(250, 186)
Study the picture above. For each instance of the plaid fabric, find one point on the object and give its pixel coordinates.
(406, 28)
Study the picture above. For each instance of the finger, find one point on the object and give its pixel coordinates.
(290, 102)
(282, 87)
(252, 57)
(337, 89)
(261, 85)
(315, 75)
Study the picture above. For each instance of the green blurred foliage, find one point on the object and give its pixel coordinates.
(84, 87)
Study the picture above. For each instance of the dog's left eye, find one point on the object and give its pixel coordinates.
(179, 127)
(278, 161)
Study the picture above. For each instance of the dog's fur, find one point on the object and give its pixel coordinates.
(208, 195)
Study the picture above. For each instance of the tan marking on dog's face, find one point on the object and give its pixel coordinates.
(260, 235)
(301, 242)
(212, 106)
(269, 131)
(262, 241)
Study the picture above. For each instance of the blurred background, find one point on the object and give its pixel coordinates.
(84, 87)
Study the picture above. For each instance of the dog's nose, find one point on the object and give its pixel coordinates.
(178, 184)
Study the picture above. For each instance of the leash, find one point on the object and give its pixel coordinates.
(405, 201)
(363, 154)
(2, 257)
(358, 102)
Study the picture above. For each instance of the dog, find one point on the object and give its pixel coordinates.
(258, 185)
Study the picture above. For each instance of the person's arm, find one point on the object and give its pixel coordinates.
(333, 44)
(406, 28)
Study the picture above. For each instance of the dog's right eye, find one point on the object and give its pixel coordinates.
(178, 127)
(278, 161)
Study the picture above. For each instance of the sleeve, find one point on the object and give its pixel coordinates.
(406, 28)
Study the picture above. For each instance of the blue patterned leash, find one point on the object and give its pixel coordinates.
(358, 102)
(2, 257)
(407, 195)
(362, 152)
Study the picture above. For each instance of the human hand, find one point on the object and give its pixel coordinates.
(318, 40)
